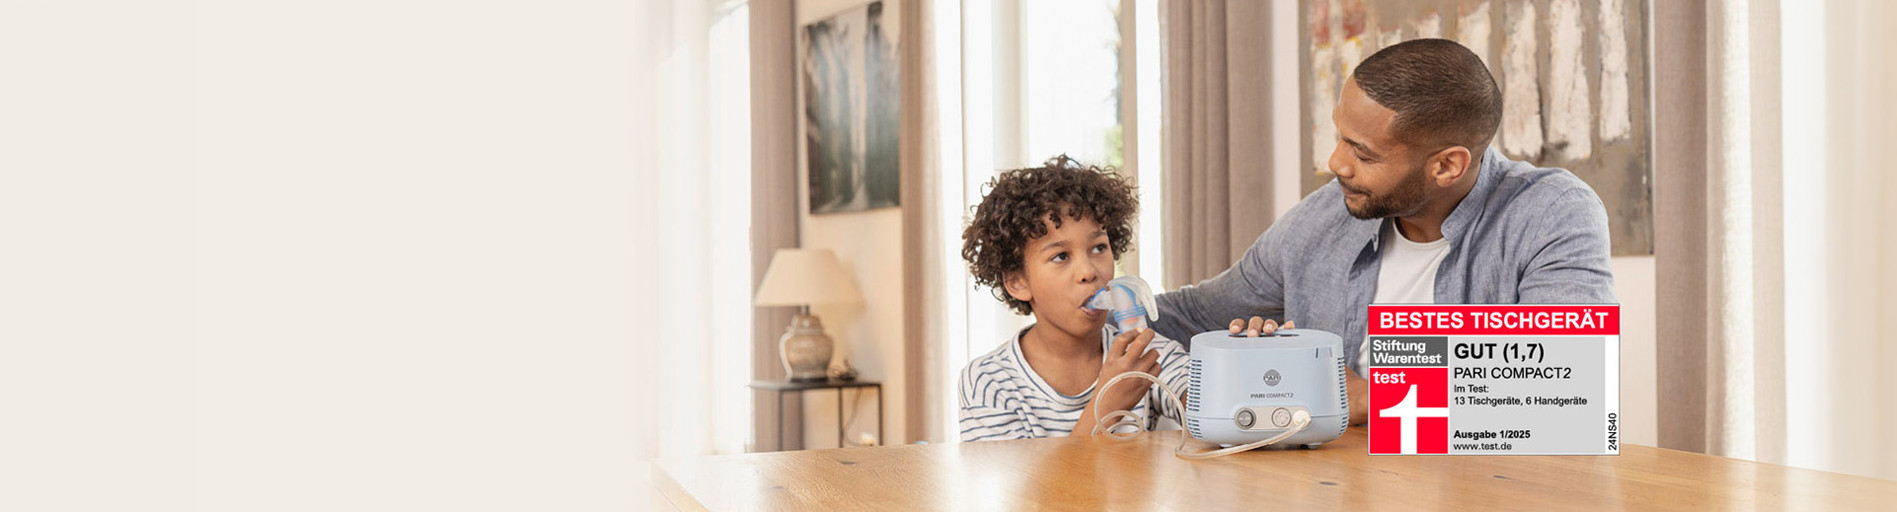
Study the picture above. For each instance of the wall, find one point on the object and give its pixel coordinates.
(321, 257)
(95, 312)
(871, 334)
(1634, 284)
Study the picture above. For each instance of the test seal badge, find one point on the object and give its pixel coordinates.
(1494, 379)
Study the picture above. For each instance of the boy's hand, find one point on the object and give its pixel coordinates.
(1258, 325)
(1127, 354)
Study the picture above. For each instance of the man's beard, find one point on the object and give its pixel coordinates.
(1404, 199)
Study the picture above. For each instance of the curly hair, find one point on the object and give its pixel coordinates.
(1018, 204)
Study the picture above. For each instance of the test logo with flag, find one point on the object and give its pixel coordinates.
(1409, 411)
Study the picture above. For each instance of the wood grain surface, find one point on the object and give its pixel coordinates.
(1101, 473)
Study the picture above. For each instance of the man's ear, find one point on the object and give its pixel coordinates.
(1017, 285)
(1446, 167)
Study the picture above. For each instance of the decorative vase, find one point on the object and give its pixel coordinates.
(806, 349)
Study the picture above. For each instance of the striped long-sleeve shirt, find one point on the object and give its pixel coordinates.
(1003, 398)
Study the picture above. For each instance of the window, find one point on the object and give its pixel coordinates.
(1037, 79)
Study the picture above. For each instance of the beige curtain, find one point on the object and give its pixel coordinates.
(1771, 260)
(1842, 403)
(1718, 218)
(923, 239)
(1216, 133)
(773, 198)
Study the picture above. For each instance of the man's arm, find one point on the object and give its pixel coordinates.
(1252, 287)
(1355, 388)
(1571, 266)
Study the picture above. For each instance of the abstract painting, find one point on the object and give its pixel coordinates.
(1572, 73)
(851, 108)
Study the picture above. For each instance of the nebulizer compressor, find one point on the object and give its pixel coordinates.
(1244, 392)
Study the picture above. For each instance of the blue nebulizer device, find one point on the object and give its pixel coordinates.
(1244, 392)
(1244, 389)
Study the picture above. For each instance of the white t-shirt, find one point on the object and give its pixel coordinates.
(1407, 275)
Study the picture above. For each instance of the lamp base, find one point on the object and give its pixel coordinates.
(806, 349)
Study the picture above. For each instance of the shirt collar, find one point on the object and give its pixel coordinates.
(1471, 207)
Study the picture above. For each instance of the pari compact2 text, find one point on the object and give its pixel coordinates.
(1284, 388)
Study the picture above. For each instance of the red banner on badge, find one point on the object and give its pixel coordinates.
(1477, 320)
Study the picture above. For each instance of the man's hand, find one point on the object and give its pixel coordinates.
(1356, 388)
(1258, 326)
(1127, 354)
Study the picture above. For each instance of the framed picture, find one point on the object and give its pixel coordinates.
(1573, 75)
(852, 102)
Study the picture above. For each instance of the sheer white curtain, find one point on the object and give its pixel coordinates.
(693, 217)
(1840, 235)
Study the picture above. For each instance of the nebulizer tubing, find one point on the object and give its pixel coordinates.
(1131, 303)
(1125, 424)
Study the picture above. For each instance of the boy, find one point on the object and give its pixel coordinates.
(1045, 239)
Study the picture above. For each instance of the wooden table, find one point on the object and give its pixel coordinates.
(1097, 473)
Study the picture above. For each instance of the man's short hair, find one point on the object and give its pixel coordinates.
(1441, 92)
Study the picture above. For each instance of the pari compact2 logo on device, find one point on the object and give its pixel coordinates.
(1494, 379)
(1247, 389)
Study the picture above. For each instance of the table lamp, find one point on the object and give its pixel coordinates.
(802, 277)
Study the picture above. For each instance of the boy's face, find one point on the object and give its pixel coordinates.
(1063, 269)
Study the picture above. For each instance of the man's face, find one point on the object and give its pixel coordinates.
(1063, 269)
(1379, 176)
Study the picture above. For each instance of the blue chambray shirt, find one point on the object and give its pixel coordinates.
(1523, 235)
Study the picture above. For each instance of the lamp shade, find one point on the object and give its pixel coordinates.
(800, 277)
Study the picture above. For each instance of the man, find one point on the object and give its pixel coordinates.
(1423, 211)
